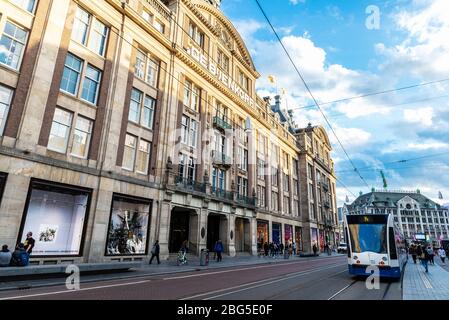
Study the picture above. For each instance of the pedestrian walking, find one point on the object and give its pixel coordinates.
(294, 248)
(266, 248)
(442, 254)
(412, 251)
(155, 252)
(5, 256)
(219, 249)
(281, 248)
(425, 258)
(431, 255)
(29, 243)
(315, 249)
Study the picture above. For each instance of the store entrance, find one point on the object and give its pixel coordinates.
(242, 235)
(216, 230)
(179, 229)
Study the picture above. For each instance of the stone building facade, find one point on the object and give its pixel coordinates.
(126, 122)
(317, 188)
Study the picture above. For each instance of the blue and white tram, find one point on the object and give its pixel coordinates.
(375, 240)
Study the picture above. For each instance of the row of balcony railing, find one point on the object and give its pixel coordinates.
(191, 185)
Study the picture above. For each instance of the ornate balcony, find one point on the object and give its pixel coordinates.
(219, 158)
(222, 123)
(189, 184)
(251, 201)
(223, 194)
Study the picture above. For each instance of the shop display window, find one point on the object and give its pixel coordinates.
(128, 226)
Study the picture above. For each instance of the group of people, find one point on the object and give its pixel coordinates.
(274, 249)
(21, 255)
(426, 255)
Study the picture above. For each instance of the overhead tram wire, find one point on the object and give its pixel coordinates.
(207, 102)
(374, 94)
(399, 162)
(310, 92)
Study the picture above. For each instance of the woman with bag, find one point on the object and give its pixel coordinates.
(155, 252)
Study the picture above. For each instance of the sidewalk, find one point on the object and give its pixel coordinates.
(166, 267)
(419, 285)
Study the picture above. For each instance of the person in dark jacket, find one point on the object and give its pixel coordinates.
(219, 249)
(29, 243)
(266, 248)
(20, 256)
(315, 249)
(155, 252)
(412, 251)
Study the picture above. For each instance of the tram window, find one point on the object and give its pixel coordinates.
(392, 242)
(368, 237)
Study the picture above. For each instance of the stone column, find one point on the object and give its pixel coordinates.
(226, 226)
(164, 228)
(202, 224)
(253, 235)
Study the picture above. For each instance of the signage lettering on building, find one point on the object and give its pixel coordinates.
(221, 76)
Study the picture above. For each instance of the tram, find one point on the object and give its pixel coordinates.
(374, 240)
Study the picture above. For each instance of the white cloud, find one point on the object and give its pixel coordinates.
(421, 116)
(295, 2)
(425, 49)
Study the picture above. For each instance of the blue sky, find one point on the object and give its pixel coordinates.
(339, 58)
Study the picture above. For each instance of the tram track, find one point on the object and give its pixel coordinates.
(342, 290)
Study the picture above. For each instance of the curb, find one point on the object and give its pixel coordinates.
(190, 269)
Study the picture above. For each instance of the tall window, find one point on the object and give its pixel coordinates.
(159, 26)
(242, 155)
(91, 84)
(5, 103)
(242, 186)
(141, 109)
(12, 44)
(274, 176)
(218, 179)
(295, 187)
(189, 132)
(286, 185)
(147, 16)
(129, 155)
(148, 112)
(81, 137)
(187, 167)
(70, 81)
(223, 61)
(27, 5)
(143, 156)
(71, 76)
(260, 169)
(286, 205)
(146, 68)
(274, 201)
(261, 196)
(60, 131)
(191, 95)
(135, 105)
(90, 32)
(243, 80)
(196, 34)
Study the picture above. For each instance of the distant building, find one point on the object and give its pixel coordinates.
(414, 212)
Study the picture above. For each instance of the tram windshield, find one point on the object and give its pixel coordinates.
(368, 237)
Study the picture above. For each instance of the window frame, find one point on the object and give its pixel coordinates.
(15, 40)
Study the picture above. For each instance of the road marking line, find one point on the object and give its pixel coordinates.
(259, 284)
(74, 291)
(234, 270)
